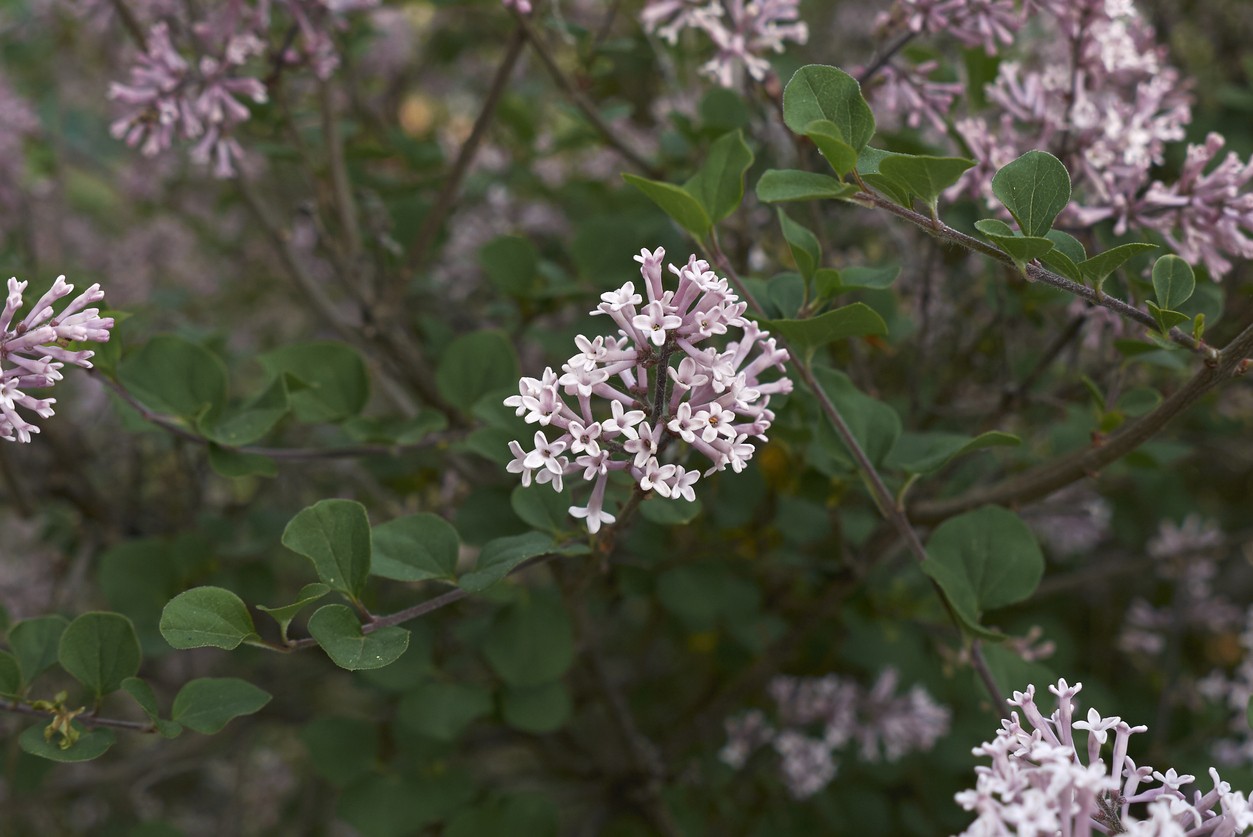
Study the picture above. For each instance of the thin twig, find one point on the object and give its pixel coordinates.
(341, 187)
(882, 59)
(131, 24)
(85, 720)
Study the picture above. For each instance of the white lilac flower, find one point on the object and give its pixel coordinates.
(33, 351)
(661, 380)
(1038, 783)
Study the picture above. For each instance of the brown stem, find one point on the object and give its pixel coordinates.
(341, 186)
(85, 720)
(131, 24)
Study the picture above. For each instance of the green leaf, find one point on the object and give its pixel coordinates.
(530, 642)
(147, 700)
(337, 630)
(1173, 282)
(393, 430)
(1096, 269)
(838, 153)
(868, 163)
(175, 376)
(874, 425)
(664, 512)
(817, 92)
(208, 704)
(1166, 320)
(856, 320)
(1021, 249)
(922, 453)
(245, 425)
(416, 548)
(1066, 256)
(500, 556)
(924, 177)
(91, 744)
(802, 243)
(676, 202)
(231, 463)
(443, 710)
(983, 560)
(34, 643)
(723, 110)
(10, 675)
(204, 617)
(1035, 188)
(539, 507)
(537, 709)
(341, 749)
(782, 185)
(786, 293)
(869, 277)
(284, 615)
(719, 183)
(333, 379)
(512, 265)
(100, 650)
(474, 365)
(335, 536)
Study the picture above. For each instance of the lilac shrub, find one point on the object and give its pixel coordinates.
(670, 387)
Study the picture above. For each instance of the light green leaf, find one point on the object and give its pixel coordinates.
(1035, 188)
(337, 630)
(335, 536)
(676, 202)
(1096, 269)
(1066, 256)
(838, 153)
(100, 650)
(719, 183)
(284, 614)
(802, 243)
(205, 617)
(817, 92)
(869, 277)
(782, 185)
(1166, 319)
(1021, 249)
(924, 177)
(208, 704)
(415, 548)
(1173, 282)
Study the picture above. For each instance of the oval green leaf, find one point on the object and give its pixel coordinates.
(100, 650)
(207, 704)
(335, 536)
(206, 617)
(337, 630)
(818, 92)
(415, 548)
(1035, 188)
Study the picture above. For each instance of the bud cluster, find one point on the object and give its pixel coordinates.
(33, 351)
(657, 382)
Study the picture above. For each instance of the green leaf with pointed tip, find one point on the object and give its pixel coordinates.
(206, 617)
(1066, 256)
(147, 700)
(719, 183)
(1173, 282)
(861, 276)
(924, 177)
(802, 243)
(1166, 319)
(982, 560)
(922, 453)
(676, 202)
(474, 365)
(417, 547)
(245, 425)
(868, 163)
(333, 376)
(337, 630)
(91, 744)
(231, 463)
(827, 283)
(1035, 188)
(175, 376)
(335, 536)
(1099, 267)
(874, 424)
(10, 675)
(1021, 249)
(284, 614)
(782, 185)
(818, 92)
(856, 320)
(786, 292)
(498, 557)
(34, 643)
(841, 156)
(100, 650)
(208, 704)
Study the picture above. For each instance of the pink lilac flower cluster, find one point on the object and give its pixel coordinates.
(990, 24)
(33, 351)
(819, 715)
(197, 91)
(1232, 691)
(741, 31)
(1041, 780)
(712, 399)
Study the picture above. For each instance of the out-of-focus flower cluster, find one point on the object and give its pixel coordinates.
(742, 32)
(1090, 83)
(819, 715)
(713, 400)
(196, 90)
(1233, 691)
(1039, 782)
(33, 351)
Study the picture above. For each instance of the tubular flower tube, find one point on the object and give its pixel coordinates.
(33, 350)
(661, 380)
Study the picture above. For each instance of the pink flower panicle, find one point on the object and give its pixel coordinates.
(741, 31)
(819, 715)
(990, 24)
(661, 380)
(33, 350)
(1043, 780)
